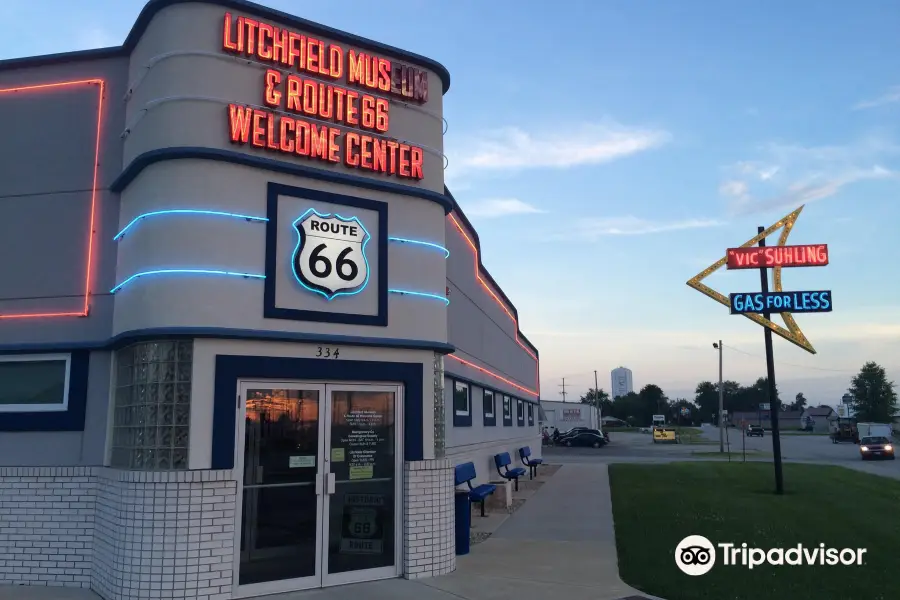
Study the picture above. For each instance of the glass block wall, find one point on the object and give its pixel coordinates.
(439, 418)
(151, 424)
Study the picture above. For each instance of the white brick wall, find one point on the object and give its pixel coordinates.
(46, 525)
(131, 535)
(164, 535)
(127, 535)
(429, 546)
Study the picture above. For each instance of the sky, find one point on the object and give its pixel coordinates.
(608, 151)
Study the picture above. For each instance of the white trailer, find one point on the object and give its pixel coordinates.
(874, 430)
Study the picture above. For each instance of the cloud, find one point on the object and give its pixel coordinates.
(513, 149)
(787, 175)
(89, 38)
(500, 207)
(892, 96)
(591, 229)
(734, 188)
(814, 188)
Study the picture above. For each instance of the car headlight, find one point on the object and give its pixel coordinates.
(888, 448)
(864, 448)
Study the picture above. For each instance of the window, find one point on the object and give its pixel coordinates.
(490, 409)
(488, 403)
(530, 414)
(520, 411)
(507, 410)
(461, 398)
(151, 425)
(34, 382)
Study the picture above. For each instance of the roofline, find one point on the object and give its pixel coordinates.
(484, 271)
(154, 6)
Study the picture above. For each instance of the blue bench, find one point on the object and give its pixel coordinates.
(465, 473)
(503, 461)
(531, 463)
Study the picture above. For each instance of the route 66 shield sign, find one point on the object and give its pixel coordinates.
(330, 257)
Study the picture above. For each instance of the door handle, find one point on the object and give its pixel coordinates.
(330, 478)
(319, 484)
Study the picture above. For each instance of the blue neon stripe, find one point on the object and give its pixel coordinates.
(444, 299)
(421, 243)
(184, 272)
(188, 211)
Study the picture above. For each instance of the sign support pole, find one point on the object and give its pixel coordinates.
(721, 404)
(774, 404)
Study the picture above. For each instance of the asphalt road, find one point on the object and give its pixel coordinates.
(638, 447)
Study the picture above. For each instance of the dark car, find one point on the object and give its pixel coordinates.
(587, 438)
(876, 447)
(755, 431)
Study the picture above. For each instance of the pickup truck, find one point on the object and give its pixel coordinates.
(755, 431)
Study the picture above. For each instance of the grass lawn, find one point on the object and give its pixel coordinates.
(734, 454)
(656, 506)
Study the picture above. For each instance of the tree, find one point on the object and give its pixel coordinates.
(874, 397)
(799, 402)
(707, 400)
(653, 402)
(598, 397)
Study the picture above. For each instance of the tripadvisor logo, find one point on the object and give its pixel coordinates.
(696, 555)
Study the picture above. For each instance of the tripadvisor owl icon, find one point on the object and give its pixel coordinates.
(695, 555)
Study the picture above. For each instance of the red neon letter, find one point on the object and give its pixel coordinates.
(239, 123)
(416, 163)
(227, 42)
(285, 143)
(272, 95)
(266, 33)
(259, 132)
(336, 61)
(384, 75)
(351, 149)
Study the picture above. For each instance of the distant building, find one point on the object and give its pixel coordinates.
(622, 383)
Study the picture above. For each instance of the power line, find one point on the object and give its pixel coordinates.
(791, 364)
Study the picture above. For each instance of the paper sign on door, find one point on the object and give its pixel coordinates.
(337, 455)
(361, 471)
(295, 462)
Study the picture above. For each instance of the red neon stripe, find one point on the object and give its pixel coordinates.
(494, 375)
(90, 253)
(508, 312)
(90, 258)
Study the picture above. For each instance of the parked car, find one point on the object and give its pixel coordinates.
(755, 431)
(876, 447)
(590, 438)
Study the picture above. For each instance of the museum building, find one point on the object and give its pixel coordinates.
(245, 330)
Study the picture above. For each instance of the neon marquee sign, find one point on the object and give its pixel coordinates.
(322, 120)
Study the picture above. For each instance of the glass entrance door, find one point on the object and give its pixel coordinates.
(281, 427)
(361, 514)
(320, 485)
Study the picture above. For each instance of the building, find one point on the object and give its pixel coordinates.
(566, 415)
(622, 383)
(819, 418)
(245, 330)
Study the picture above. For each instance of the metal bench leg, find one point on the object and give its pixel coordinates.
(482, 507)
(530, 472)
(517, 484)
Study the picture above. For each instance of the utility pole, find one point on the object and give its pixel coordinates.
(597, 401)
(564, 389)
(721, 401)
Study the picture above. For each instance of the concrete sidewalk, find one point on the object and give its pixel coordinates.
(560, 544)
